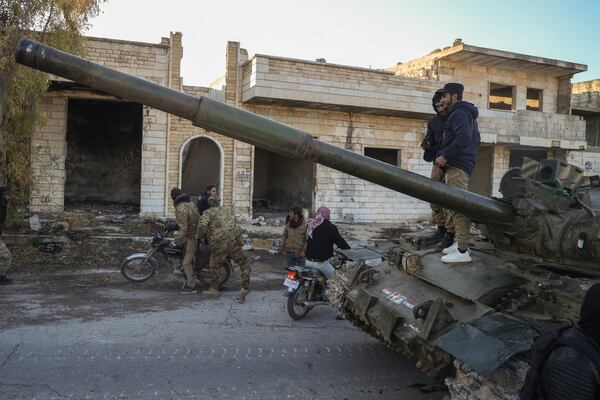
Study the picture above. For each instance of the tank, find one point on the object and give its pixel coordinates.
(472, 323)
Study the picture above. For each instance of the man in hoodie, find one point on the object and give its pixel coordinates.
(432, 144)
(186, 215)
(457, 157)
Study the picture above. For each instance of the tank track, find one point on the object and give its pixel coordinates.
(465, 384)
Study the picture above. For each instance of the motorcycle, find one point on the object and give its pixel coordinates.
(306, 287)
(139, 267)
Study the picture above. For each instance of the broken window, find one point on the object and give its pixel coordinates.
(534, 99)
(502, 97)
(281, 183)
(390, 156)
(104, 153)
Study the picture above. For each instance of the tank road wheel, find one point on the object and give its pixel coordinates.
(138, 268)
(295, 308)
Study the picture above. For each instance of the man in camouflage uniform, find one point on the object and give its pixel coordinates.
(187, 216)
(225, 241)
(5, 256)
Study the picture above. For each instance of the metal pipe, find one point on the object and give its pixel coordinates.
(260, 131)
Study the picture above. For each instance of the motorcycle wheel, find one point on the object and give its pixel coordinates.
(138, 269)
(295, 308)
(224, 273)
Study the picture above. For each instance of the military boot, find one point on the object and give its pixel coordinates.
(242, 296)
(212, 293)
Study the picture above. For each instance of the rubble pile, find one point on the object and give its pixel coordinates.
(503, 383)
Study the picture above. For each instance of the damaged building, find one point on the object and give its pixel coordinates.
(96, 148)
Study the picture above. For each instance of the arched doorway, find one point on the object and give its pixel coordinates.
(201, 165)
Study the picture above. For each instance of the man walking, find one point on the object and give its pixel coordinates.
(432, 144)
(186, 215)
(225, 240)
(457, 158)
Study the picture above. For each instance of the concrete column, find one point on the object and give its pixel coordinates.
(563, 100)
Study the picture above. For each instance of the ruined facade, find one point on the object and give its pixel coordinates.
(524, 103)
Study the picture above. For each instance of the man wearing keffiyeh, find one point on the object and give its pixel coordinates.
(321, 236)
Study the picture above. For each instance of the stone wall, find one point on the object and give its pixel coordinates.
(48, 152)
(588, 160)
(148, 61)
(331, 86)
(350, 198)
(587, 86)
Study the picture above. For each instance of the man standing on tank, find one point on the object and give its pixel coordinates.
(457, 157)
(432, 144)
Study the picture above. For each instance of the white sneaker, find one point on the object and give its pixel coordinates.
(451, 249)
(457, 257)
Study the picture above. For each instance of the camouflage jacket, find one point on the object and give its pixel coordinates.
(219, 227)
(187, 216)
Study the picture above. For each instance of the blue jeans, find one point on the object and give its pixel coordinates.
(294, 259)
(324, 266)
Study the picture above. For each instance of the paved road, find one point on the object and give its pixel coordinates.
(132, 343)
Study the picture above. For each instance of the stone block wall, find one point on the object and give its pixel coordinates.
(501, 160)
(48, 153)
(350, 198)
(588, 160)
(144, 60)
(587, 86)
(476, 79)
(380, 92)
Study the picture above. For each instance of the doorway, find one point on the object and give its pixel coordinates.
(104, 153)
(202, 165)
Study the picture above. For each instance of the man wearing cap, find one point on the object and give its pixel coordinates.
(186, 215)
(457, 157)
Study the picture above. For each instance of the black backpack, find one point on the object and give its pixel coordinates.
(533, 388)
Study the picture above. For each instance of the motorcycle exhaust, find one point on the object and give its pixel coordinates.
(311, 304)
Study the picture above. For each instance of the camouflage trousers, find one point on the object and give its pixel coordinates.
(439, 214)
(5, 258)
(188, 262)
(231, 250)
(462, 224)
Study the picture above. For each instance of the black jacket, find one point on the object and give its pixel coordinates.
(202, 203)
(432, 142)
(569, 374)
(320, 246)
(461, 136)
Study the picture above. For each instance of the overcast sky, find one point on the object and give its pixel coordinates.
(375, 33)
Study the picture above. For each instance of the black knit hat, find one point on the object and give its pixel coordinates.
(176, 192)
(452, 87)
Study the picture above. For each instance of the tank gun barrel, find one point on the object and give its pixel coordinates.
(260, 131)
